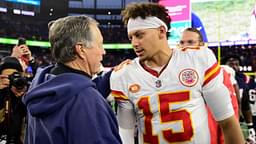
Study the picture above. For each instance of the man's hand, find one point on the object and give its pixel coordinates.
(22, 51)
(18, 92)
(4, 81)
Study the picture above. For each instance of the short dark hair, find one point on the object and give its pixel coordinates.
(225, 59)
(144, 10)
(10, 63)
(190, 29)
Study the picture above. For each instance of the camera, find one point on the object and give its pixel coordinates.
(18, 81)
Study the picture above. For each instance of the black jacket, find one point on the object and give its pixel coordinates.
(12, 124)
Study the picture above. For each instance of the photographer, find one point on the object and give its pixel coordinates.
(12, 111)
(22, 52)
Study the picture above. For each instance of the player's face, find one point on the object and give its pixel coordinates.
(189, 38)
(233, 63)
(145, 42)
(95, 54)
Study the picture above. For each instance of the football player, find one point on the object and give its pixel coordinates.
(245, 93)
(164, 90)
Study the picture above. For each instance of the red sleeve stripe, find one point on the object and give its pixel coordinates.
(118, 95)
(211, 73)
(190, 47)
(120, 99)
(211, 69)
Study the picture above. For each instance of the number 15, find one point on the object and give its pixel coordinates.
(166, 116)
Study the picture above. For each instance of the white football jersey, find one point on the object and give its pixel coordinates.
(170, 106)
(231, 72)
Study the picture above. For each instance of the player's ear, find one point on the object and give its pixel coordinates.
(162, 32)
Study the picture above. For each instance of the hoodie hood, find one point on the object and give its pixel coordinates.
(49, 92)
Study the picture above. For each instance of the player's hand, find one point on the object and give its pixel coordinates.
(122, 64)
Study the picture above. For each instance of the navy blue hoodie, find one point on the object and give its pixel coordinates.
(68, 109)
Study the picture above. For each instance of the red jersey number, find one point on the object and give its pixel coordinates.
(167, 115)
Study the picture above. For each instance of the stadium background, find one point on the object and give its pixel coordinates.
(227, 25)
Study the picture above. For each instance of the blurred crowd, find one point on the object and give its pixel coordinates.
(28, 28)
(247, 54)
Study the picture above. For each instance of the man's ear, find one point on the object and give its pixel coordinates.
(80, 50)
(162, 31)
(201, 43)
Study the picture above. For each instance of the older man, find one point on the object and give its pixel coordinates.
(63, 104)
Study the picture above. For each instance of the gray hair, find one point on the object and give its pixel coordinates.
(64, 33)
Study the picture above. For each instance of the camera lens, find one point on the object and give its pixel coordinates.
(18, 81)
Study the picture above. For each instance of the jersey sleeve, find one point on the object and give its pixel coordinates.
(214, 91)
(231, 72)
(233, 80)
(119, 90)
(102, 83)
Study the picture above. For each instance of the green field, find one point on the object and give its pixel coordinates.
(225, 20)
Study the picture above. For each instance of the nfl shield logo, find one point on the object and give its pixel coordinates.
(158, 83)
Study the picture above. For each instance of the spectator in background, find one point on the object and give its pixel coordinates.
(192, 38)
(165, 89)
(22, 52)
(12, 111)
(252, 96)
(243, 81)
(63, 103)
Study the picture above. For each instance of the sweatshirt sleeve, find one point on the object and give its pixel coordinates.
(215, 92)
(103, 84)
(91, 120)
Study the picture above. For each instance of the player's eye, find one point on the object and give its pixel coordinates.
(139, 35)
